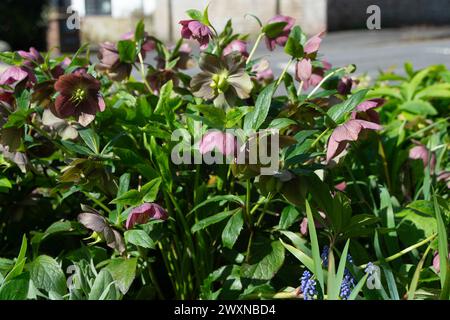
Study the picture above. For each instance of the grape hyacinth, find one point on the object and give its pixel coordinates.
(324, 255)
(348, 282)
(308, 286)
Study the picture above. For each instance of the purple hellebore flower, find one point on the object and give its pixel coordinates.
(144, 213)
(364, 111)
(313, 44)
(236, 46)
(110, 62)
(196, 30)
(224, 142)
(32, 57)
(341, 186)
(79, 96)
(421, 152)
(148, 44)
(281, 38)
(345, 85)
(345, 133)
(304, 224)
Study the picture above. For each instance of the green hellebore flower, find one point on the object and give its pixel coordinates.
(223, 79)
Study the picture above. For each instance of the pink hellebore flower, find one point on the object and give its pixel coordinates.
(364, 111)
(437, 263)
(345, 133)
(345, 85)
(196, 30)
(144, 213)
(421, 152)
(148, 44)
(281, 38)
(15, 75)
(341, 186)
(313, 44)
(310, 76)
(445, 177)
(304, 224)
(262, 71)
(236, 46)
(225, 143)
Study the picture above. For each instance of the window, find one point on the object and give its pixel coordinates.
(98, 7)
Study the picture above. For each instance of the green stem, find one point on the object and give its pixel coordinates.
(323, 81)
(97, 202)
(284, 72)
(141, 61)
(320, 137)
(255, 46)
(405, 251)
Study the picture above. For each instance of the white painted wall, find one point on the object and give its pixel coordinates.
(120, 8)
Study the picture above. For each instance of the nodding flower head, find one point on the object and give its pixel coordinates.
(194, 29)
(145, 212)
(282, 36)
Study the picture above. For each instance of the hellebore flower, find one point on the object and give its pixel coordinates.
(14, 76)
(345, 133)
(158, 78)
(309, 75)
(313, 44)
(364, 110)
(445, 177)
(224, 142)
(144, 213)
(437, 262)
(65, 130)
(79, 96)
(32, 57)
(304, 224)
(282, 37)
(102, 230)
(236, 46)
(196, 30)
(421, 152)
(222, 79)
(110, 62)
(148, 44)
(345, 85)
(341, 186)
(263, 73)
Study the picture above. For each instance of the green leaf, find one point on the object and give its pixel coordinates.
(123, 272)
(23, 101)
(16, 289)
(232, 229)
(150, 190)
(127, 51)
(268, 265)
(164, 97)
(294, 46)
(17, 119)
(339, 111)
(91, 139)
(5, 183)
(131, 197)
(46, 274)
(288, 216)
(274, 29)
(358, 287)
(262, 106)
(20, 261)
(442, 242)
(300, 255)
(202, 224)
(76, 149)
(139, 32)
(340, 272)
(314, 246)
(103, 287)
(10, 58)
(139, 238)
(213, 115)
(224, 199)
(281, 123)
(195, 14)
(419, 107)
(441, 90)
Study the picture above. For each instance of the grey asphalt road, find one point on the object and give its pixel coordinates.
(377, 50)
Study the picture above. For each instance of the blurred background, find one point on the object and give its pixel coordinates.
(414, 30)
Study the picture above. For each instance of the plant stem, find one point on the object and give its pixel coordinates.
(255, 46)
(323, 81)
(320, 137)
(284, 72)
(141, 61)
(405, 251)
(98, 202)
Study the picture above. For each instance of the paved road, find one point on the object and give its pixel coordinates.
(379, 50)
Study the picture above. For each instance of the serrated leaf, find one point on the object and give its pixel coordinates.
(139, 238)
(232, 229)
(46, 274)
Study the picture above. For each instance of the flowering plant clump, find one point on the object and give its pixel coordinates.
(117, 167)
